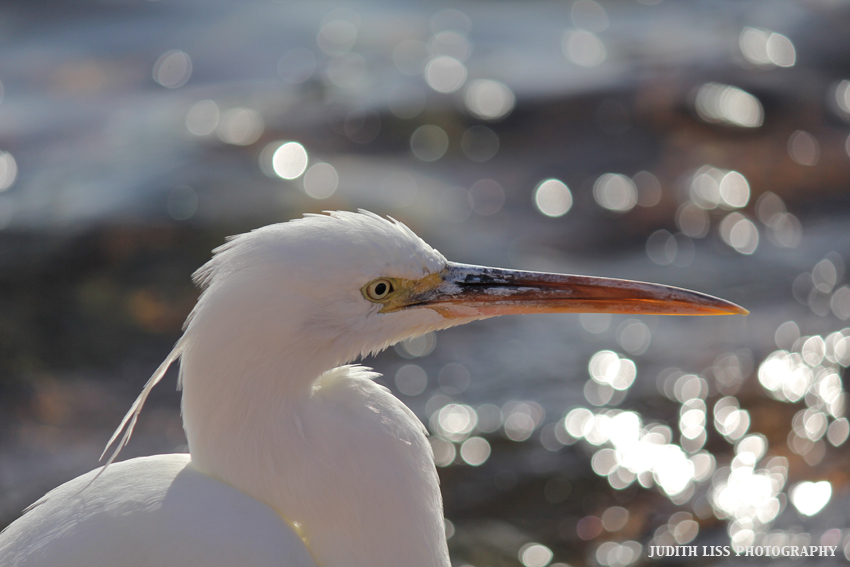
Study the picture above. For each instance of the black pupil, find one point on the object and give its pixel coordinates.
(381, 288)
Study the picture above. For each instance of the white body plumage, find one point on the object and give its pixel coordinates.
(151, 511)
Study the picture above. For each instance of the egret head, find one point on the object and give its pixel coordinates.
(323, 278)
(354, 283)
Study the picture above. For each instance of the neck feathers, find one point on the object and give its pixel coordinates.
(330, 450)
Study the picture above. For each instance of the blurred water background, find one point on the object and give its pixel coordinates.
(702, 143)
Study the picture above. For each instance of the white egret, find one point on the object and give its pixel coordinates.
(296, 459)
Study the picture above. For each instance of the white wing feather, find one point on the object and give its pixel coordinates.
(151, 512)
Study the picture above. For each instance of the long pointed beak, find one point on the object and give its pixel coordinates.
(475, 291)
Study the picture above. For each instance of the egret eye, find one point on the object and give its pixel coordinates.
(379, 289)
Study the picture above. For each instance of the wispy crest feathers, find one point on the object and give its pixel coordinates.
(129, 422)
(371, 229)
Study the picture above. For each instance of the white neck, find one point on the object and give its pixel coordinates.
(336, 455)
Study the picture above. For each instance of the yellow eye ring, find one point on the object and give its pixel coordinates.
(379, 289)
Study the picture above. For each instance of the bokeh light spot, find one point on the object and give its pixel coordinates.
(740, 233)
(8, 170)
(489, 100)
(769, 205)
(454, 421)
(606, 367)
(202, 119)
(615, 192)
(730, 105)
(553, 198)
(417, 347)
(613, 554)
(804, 148)
(583, 48)
(519, 424)
(240, 126)
(429, 142)
(729, 420)
(444, 451)
(321, 180)
(765, 48)
(839, 303)
(842, 101)
(661, 247)
(445, 74)
(289, 160)
(172, 69)
(486, 197)
(615, 518)
(780, 50)
(810, 497)
(411, 380)
(589, 527)
(692, 220)
(338, 32)
(838, 431)
(595, 323)
(786, 335)
(634, 336)
(535, 555)
(475, 451)
(734, 190)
